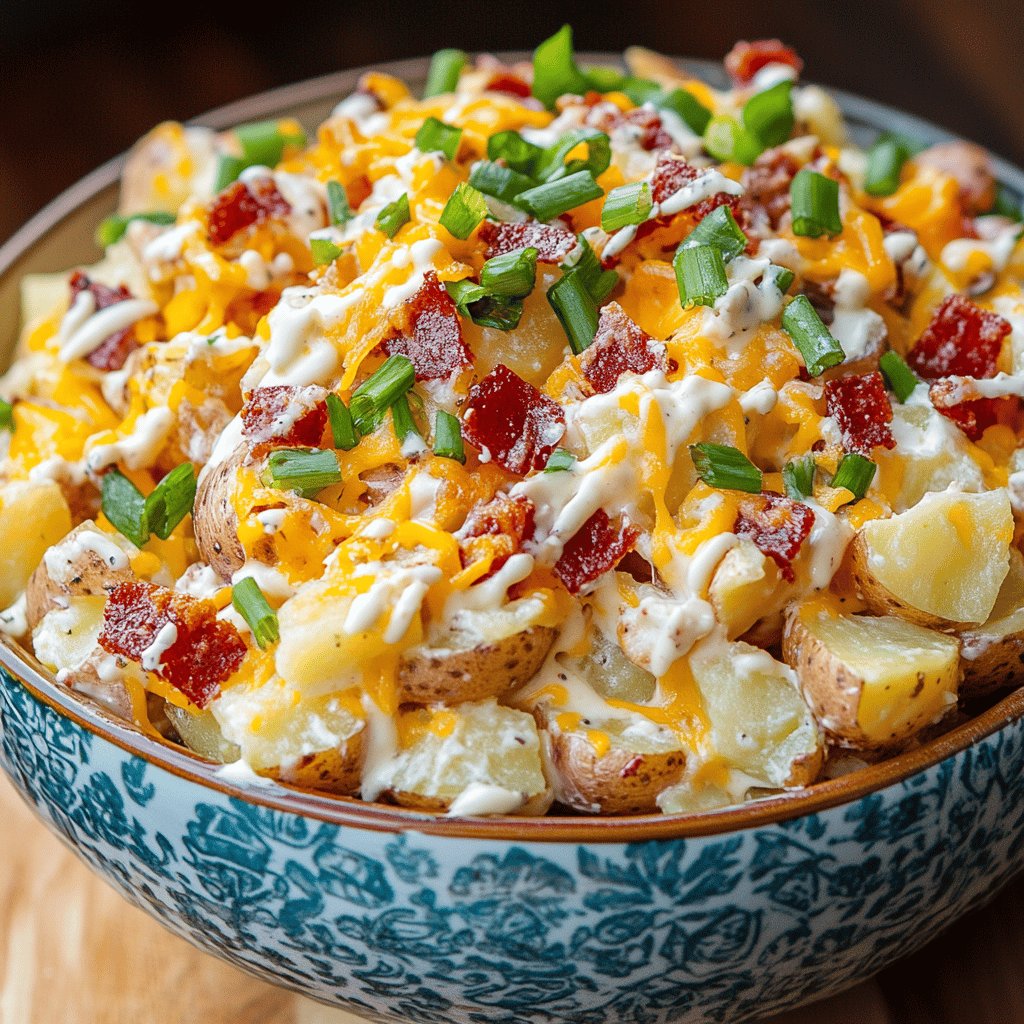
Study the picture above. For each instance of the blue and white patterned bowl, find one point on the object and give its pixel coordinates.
(399, 916)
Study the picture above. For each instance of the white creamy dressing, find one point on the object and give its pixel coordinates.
(169, 246)
(858, 329)
(14, 619)
(997, 244)
(397, 592)
(139, 449)
(364, 112)
(746, 304)
(153, 656)
(64, 560)
(84, 328)
(199, 580)
(270, 579)
(761, 398)
(481, 798)
(260, 273)
(380, 749)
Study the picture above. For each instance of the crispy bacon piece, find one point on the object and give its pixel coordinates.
(241, 205)
(508, 83)
(112, 353)
(642, 122)
(745, 59)
(777, 526)
(766, 186)
(859, 405)
(431, 335)
(619, 347)
(671, 173)
(599, 545)
(201, 651)
(285, 415)
(497, 528)
(508, 418)
(552, 243)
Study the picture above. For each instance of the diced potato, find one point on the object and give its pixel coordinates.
(33, 517)
(200, 732)
(65, 637)
(872, 682)
(610, 673)
(940, 563)
(744, 588)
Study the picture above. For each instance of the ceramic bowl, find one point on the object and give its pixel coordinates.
(399, 916)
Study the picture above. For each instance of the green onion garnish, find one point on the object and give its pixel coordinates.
(394, 215)
(503, 183)
(551, 166)
(720, 465)
(448, 437)
(6, 415)
(898, 375)
(445, 68)
(435, 136)
(885, 163)
(464, 211)
(514, 150)
(1007, 204)
(228, 170)
(464, 293)
(337, 204)
(498, 312)
(601, 78)
(559, 460)
(626, 205)
(820, 350)
(798, 477)
(125, 507)
(112, 229)
(249, 602)
(687, 107)
(718, 228)
(554, 198)
(599, 282)
(380, 391)
(768, 115)
(726, 139)
(575, 308)
(855, 473)
(782, 276)
(324, 251)
(343, 430)
(555, 72)
(700, 275)
(512, 274)
(171, 500)
(401, 419)
(263, 142)
(641, 90)
(814, 201)
(306, 470)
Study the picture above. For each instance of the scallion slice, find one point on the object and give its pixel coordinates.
(514, 150)
(394, 215)
(800, 320)
(503, 183)
(552, 163)
(718, 228)
(727, 140)
(768, 115)
(601, 78)
(554, 198)
(782, 276)
(435, 136)
(228, 170)
(700, 275)
(559, 461)
(248, 600)
(112, 229)
(123, 504)
(305, 470)
(855, 473)
(798, 477)
(343, 430)
(898, 375)
(445, 68)
(337, 204)
(814, 201)
(687, 107)
(263, 143)
(626, 205)
(448, 437)
(720, 465)
(495, 311)
(641, 90)
(6, 415)
(512, 274)
(464, 293)
(1007, 204)
(555, 71)
(401, 419)
(324, 251)
(464, 211)
(372, 399)
(885, 164)
(575, 308)
(599, 282)
(171, 500)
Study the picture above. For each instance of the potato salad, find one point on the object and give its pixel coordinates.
(552, 436)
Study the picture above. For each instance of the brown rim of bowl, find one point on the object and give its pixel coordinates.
(352, 813)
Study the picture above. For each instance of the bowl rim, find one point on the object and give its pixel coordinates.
(353, 813)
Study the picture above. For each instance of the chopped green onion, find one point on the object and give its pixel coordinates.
(820, 350)
(6, 415)
(498, 312)
(401, 419)
(885, 163)
(720, 465)
(687, 107)
(626, 205)
(464, 293)
(575, 308)
(719, 229)
(855, 473)
(380, 391)
(503, 183)
(512, 274)
(782, 276)
(551, 165)
(768, 115)
(555, 71)
(554, 198)
(559, 460)
(228, 170)
(324, 251)
(171, 500)
(514, 150)
(306, 470)
(445, 68)
(601, 78)
(700, 275)
(798, 477)
(125, 507)
(263, 142)
(814, 201)
(464, 211)
(337, 204)
(448, 437)
(641, 90)
(898, 375)
(435, 136)
(112, 229)
(249, 602)
(394, 215)
(727, 140)
(343, 430)
(1007, 204)
(599, 282)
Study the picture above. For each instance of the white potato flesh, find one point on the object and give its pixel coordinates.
(33, 517)
(65, 637)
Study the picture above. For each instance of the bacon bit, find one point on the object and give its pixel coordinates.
(242, 205)
(285, 415)
(767, 184)
(205, 654)
(619, 347)
(496, 528)
(631, 767)
(777, 526)
(431, 334)
(596, 547)
(113, 352)
(745, 59)
(511, 420)
(508, 83)
(859, 405)
(972, 415)
(647, 125)
(671, 173)
(552, 243)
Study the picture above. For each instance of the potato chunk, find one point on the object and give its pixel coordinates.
(33, 517)
(872, 682)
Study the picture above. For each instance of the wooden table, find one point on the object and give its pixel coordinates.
(73, 952)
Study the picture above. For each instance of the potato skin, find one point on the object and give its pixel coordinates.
(337, 771)
(534, 807)
(427, 676)
(214, 520)
(989, 667)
